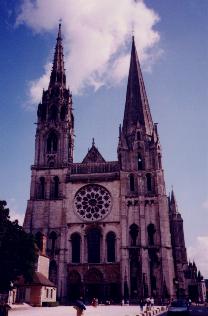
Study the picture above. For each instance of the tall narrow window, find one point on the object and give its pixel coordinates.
(133, 234)
(39, 240)
(63, 113)
(151, 231)
(53, 239)
(111, 250)
(153, 283)
(41, 193)
(149, 181)
(120, 160)
(52, 143)
(159, 161)
(131, 183)
(93, 243)
(75, 241)
(42, 112)
(138, 135)
(55, 188)
(140, 163)
(53, 271)
(53, 113)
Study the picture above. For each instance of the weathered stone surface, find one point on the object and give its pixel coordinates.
(138, 260)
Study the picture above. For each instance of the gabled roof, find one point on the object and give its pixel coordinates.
(93, 155)
(40, 279)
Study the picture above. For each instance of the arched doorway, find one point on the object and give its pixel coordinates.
(113, 285)
(74, 286)
(93, 284)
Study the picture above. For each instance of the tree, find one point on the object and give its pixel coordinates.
(18, 252)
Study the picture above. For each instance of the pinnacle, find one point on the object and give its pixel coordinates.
(58, 72)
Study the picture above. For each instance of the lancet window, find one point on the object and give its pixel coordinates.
(140, 163)
(111, 249)
(149, 182)
(55, 188)
(93, 244)
(151, 232)
(53, 113)
(39, 240)
(63, 112)
(131, 183)
(41, 188)
(53, 242)
(134, 230)
(76, 247)
(53, 271)
(52, 143)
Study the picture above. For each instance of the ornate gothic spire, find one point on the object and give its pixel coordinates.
(137, 111)
(58, 76)
(173, 203)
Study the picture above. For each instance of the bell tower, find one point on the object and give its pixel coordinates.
(54, 142)
(55, 125)
(143, 196)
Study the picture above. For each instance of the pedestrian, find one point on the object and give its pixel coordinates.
(80, 307)
(148, 303)
(94, 302)
(141, 304)
(152, 302)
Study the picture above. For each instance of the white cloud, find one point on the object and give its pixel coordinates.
(36, 86)
(199, 253)
(14, 212)
(96, 38)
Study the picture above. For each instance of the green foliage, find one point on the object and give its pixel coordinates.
(17, 251)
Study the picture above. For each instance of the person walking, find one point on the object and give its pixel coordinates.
(152, 302)
(148, 304)
(141, 304)
(80, 308)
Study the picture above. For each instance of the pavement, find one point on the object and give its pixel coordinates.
(100, 310)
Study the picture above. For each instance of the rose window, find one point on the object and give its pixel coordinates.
(92, 202)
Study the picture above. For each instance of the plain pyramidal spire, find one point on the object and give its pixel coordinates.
(58, 76)
(137, 111)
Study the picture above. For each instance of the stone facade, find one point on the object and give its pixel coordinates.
(107, 223)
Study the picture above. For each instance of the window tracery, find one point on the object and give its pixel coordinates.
(92, 202)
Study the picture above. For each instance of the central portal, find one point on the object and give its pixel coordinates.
(93, 285)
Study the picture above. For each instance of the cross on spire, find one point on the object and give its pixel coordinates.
(93, 141)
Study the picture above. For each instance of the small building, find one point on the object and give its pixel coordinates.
(206, 284)
(40, 291)
(202, 291)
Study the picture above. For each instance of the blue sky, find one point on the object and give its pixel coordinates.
(173, 47)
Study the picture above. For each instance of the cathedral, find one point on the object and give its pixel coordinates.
(108, 227)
